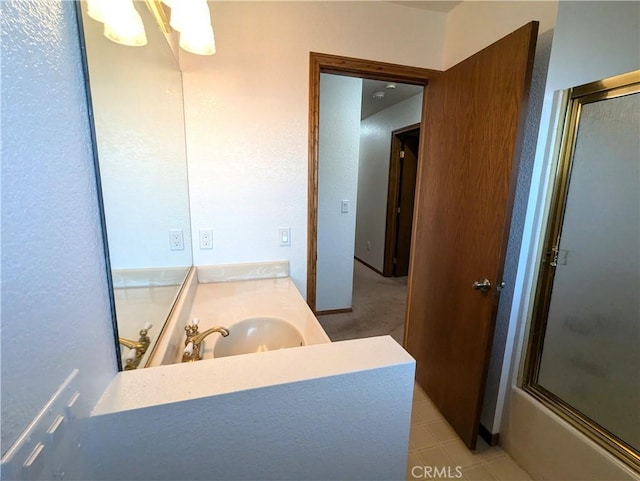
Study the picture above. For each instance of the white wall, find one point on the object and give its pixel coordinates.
(341, 411)
(474, 25)
(373, 175)
(338, 151)
(247, 113)
(584, 50)
(139, 120)
(55, 305)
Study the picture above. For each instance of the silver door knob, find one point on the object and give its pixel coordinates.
(484, 285)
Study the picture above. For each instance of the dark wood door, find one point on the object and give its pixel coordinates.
(408, 169)
(472, 133)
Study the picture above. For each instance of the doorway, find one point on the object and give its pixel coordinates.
(350, 67)
(403, 171)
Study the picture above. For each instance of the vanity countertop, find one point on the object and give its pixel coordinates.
(225, 303)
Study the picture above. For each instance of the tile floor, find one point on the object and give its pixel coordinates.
(434, 444)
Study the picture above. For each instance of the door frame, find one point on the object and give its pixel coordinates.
(350, 67)
(392, 194)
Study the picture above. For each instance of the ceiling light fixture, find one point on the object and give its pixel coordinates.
(390, 86)
(123, 25)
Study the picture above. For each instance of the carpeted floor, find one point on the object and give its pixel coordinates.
(379, 305)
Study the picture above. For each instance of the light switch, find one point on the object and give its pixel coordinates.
(284, 233)
(344, 207)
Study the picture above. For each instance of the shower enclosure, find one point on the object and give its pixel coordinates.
(583, 358)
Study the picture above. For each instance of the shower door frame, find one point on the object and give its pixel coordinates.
(609, 88)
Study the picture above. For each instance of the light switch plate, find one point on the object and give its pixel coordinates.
(284, 234)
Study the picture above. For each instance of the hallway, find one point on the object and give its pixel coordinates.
(379, 305)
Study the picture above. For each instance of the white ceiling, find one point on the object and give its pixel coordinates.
(392, 96)
(443, 6)
(402, 91)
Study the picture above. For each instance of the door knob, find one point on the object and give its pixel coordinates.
(484, 285)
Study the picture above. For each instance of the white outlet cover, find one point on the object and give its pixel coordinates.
(206, 238)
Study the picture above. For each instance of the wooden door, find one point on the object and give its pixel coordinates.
(473, 124)
(408, 167)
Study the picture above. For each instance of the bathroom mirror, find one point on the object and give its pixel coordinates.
(136, 96)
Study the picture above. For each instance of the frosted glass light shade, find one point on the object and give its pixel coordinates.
(96, 9)
(123, 24)
(187, 14)
(198, 40)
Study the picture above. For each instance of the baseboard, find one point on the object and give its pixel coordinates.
(333, 311)
(369, 266)
(490, 438)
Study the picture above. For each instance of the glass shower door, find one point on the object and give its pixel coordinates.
(584, 357)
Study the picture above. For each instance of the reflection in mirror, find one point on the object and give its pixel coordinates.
(136, 97)
(585, 354)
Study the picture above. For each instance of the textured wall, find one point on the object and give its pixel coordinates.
(497, 378)
(473, 25)
(55, 307)
(137, 101)
(340, 99)
(373, 175)
(341, 412)
(247, 113)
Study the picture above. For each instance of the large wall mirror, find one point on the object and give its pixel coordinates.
(136, 95)
(583, 359)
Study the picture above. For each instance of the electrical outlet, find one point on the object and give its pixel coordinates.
(176, 239)
(344, 207)
(206, 238)
(368, 246)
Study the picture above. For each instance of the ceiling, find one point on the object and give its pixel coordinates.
(402, 92)
(371, 105)
(443, 6)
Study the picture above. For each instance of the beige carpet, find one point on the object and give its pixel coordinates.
(379, 305)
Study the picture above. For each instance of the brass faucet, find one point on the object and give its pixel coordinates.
(195, 340)
(138, 348)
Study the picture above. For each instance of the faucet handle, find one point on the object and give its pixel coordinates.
(192, 327)
(189, 348)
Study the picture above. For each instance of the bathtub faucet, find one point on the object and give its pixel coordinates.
(194, 343)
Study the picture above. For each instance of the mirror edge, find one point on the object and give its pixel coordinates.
(98, 183)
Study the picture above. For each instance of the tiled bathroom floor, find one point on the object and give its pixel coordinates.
(433, 444)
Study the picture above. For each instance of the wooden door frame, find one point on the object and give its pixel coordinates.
(392, 195)
(350, 67)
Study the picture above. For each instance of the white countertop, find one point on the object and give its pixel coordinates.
(225, 303)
